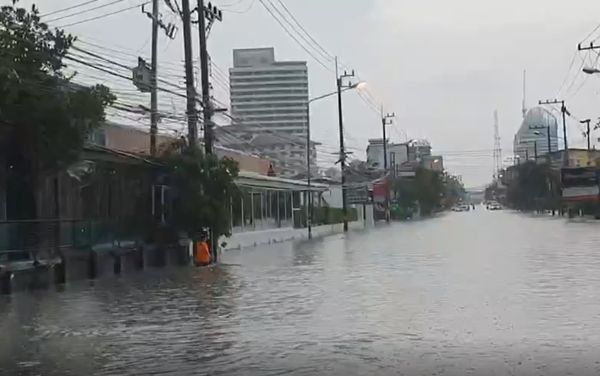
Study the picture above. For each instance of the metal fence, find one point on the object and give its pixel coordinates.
(30, 239)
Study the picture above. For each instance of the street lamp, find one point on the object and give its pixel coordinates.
(590, 70)
(386, 119)
(309, 214)
(339, 80)
(538, 133)
(587, 133)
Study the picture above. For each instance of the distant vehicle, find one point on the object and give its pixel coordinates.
(493, 205)
(461, 208)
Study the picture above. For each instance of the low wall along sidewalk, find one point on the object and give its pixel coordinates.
(254, 238)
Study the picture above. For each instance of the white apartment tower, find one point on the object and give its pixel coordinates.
(267, 94)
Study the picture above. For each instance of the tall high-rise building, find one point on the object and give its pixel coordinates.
(269, 94)
(532, 136)
(269, 102)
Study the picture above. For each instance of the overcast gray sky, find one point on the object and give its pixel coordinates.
(442, 66)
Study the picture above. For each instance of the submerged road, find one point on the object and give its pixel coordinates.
(462, 293)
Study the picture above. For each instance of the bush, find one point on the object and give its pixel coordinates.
(324, 216)
(203, 186)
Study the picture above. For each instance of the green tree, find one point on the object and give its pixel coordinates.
(204, 186)
(429, 189)
(536, 186)
(44, 117)
(454, 190)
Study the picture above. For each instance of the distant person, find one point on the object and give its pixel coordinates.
(202, 254)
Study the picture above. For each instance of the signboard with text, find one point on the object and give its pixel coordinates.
(580, 183)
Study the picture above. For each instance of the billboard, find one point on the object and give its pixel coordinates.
(580, 183)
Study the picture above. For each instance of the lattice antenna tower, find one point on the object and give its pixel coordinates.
(497, 147)
(524, 104)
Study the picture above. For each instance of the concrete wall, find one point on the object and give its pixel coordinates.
(132, 140)
(245, 162)
(434, 163)
(333, 196)
(397, 154)
(256, 238)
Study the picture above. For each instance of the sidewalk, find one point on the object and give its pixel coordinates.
(255, 238)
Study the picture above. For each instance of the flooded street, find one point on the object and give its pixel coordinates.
(463, 293)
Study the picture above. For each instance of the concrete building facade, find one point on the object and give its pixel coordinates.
(397, 154)
(137, 141)
(418, 152)
(418, 149)
(269, 94)
(286, 152)
(269, 103)
(433, 163)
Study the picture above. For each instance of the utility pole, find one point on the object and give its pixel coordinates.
(587, 132)
(547, 129)
(563, 110)
(153, 92)
(498, 144)
(309, 208)
(535, 154)
(339, 79)
(386, 120)
(209, 13)
(170, 30)
(192, 115)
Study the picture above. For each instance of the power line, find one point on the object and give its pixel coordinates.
(331, 57)
(85, 11)
(229, 5)
(577, 74)
(582, 82)
(293, 37)
(301, 35)
(103, 15)
(250, 6)
(591, 33)
(69, 8)
(562, 85)
(117, 74)
(122, 66)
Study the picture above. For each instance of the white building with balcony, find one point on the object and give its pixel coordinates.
(268, 94)
(396, 154)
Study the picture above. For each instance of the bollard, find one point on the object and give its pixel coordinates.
(140, 258)
(6, 282)
(60, 272)
(93, 265)
(117, 265)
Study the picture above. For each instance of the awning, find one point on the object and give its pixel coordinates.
(253, 180)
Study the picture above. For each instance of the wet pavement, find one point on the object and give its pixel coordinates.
(463, 293)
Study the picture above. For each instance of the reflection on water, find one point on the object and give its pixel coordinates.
(459, 294)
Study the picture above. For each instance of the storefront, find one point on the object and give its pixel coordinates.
(267, 202)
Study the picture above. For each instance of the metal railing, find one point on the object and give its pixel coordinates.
(44, 238)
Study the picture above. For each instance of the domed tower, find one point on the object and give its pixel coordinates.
(538, 132)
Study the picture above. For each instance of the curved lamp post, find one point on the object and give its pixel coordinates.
(309, 213)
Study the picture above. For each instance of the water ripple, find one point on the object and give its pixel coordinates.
(463, 293)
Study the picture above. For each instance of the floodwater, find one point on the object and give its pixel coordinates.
(463, 293)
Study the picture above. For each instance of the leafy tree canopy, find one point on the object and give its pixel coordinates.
(204, 185)
(43, 114)
(536, 186)
(430, 189)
